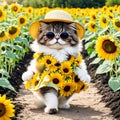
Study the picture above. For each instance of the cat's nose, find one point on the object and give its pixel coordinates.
(57, 37)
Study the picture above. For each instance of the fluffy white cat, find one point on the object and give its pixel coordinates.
(58, 46)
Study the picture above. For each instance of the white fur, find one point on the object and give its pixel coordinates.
(51, 102)
(30, 70)
(60, 55)
(61, 42)
(53, 41)
(82, 73)
(63, 103)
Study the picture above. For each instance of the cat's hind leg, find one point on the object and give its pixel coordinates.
(51, 102)
(64, 103)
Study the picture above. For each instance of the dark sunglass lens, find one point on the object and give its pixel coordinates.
(64, 35)
(50, 35)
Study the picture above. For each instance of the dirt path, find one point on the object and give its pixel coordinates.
(84, 106)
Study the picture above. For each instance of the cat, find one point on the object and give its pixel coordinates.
(60, 40)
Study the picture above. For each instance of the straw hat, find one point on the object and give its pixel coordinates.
(54, 16)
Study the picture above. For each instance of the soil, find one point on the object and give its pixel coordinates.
(99, 102)
(84, 106)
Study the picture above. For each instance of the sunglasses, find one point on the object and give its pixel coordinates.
(51, 35)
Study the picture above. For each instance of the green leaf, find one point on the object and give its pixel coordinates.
(10, 55)
(114, 83)
(95, 61)
(105, 67)
(6, 84)
(17, 47)
(4, 72)
(89, 36)
(89, 44)
(25, 41)
(93, 54)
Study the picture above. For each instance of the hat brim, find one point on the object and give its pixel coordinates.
(34, 28)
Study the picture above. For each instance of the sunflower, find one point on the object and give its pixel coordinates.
(107, 48)
(78, 60)
(13, 32)
(78, 83)
(93, 16)
(56, 78)
(2, 15)
(71, 58)
(116, 23)
(30, 84)
(3, 36)
(92, 26)
(110, 16)
(85, 21)
(6, 108)
(22, 21)
(37, 55)
(66, 68)
(49, 61)
(67, 88)
(29, 10)
(15, 8)
(103, 21)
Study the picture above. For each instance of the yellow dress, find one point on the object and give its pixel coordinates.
(58, 75)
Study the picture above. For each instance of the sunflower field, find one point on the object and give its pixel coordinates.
(101, 41)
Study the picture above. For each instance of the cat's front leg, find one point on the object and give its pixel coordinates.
(82, 73)
(51, 102)
(30, 71)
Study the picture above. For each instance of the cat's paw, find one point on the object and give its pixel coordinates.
(85, 78)
(50, 110)
(27, 75)
(64, 106)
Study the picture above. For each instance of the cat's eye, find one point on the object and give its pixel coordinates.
(50, 35)
(64, 35)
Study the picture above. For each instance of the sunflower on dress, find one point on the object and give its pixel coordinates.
(58, 75)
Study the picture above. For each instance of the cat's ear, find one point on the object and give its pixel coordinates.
(43, 25)
(72, 26)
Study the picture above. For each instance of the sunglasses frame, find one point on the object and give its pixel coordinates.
(53, 35)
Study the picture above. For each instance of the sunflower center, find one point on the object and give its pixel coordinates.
(2, 34)
(65, 70)
(36, 83)
(57, 64)
(55, 81)
(2, 109)
(117, 23)
(48, 61)
(66, 88)
(15, 8)
(82, 87)
(1, 13)
(104, 20)
(93, 26)
(108, 46)
(94, 17)
(22, 20)
(76, 79)
(111, 17)
(13, 30)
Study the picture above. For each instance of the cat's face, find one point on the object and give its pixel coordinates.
(58, 35)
